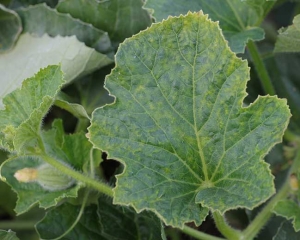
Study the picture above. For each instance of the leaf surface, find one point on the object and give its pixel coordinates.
(4, 235)
(31, 53)
(10, 28)
(289, 38)
(40, 19)
(179, 127)
(120, 18)
(100, 222)
(239, 20)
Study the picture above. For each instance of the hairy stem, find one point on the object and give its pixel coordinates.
(260, 69)
(263, 217)
(90, 182)
(224, 228)
(199, 235)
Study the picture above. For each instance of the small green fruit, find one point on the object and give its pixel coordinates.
(46, 176)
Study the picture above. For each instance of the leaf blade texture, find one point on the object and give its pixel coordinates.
(288, 39)
(238, 19)
(179, 127)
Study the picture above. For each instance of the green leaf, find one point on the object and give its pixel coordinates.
(25, 109)
(290, 210)
(73, 150)
(239, 21)
(10, 28)
(40, 19)
(120, 18)
(180, 128)
(286, 232)
(289, 38)
(103, 222)
(31, 193)
(4, 235)
(76, 109)
(30, 54)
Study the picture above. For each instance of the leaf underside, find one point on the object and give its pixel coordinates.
(178, 124)
(32, 53)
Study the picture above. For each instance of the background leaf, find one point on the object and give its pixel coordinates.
(120, 18)
(238, 20)
(286, 232)
(10, 28)
(179, 126)
(290, 210)
(4, 235)
(30, 54)
(289, 38)
(103, 221)
(15, 4)
(40, 19)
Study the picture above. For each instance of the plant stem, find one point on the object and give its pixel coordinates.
(17, 225)
(260, 69)
(199, 235)
(224, 228)
(263, 217)
(99, 186)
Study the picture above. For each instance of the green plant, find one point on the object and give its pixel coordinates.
(172, 141)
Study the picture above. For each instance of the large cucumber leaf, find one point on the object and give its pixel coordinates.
(239, 20)
(179, 127)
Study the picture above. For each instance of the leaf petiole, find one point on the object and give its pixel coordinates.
(199, 235)
(260, 69)
(224, 228)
